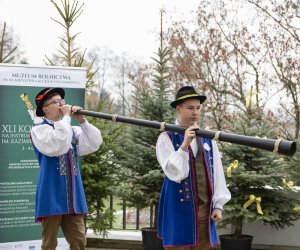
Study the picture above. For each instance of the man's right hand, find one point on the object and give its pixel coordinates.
(189, 135)
(66, 109)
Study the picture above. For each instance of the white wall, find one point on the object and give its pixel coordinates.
(266, 235)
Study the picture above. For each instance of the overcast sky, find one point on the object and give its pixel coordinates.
(130, 26)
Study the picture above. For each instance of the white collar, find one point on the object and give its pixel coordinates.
(49, 121)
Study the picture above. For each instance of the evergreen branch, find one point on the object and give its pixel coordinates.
(2, 42)
(59, 23)
(9, 53)
(48, 62)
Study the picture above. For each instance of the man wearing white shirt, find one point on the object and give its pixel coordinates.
(194, 190)
(60, 198)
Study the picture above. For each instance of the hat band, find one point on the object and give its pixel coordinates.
(40, 97)
(186, 96)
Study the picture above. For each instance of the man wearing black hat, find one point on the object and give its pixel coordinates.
(60, 198)
(194, 190)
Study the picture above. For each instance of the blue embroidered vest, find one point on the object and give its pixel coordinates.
(59, 186)
(178, 211)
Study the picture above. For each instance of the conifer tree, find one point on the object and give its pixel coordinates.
(9, 46)
(69, 54)
(99, 171)
(142, 170)
(258, 180)
(294, 164)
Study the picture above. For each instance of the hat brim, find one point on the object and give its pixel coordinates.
(202, 99)
(39, 108)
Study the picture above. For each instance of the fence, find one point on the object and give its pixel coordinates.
(132, 218)
(128, 217)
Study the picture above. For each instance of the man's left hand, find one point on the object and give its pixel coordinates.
(79, 118)
(216, 215)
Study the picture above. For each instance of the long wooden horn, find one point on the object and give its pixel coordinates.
(280, 146)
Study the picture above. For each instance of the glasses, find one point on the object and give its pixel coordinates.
(56, 102)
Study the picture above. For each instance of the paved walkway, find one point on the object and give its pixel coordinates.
(120, 235)
(129, 236)
(62, 244)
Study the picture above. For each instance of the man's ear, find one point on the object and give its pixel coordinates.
(45, 110)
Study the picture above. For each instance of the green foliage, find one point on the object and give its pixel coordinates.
(141, 174)
(69, 13)
(293, 164)
(259, 173)
(99, 171)
(69, 54)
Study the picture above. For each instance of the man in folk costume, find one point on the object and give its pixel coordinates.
(60, 198)
(194, 190)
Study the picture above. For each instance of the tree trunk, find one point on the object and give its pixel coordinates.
(155, 216)
(238, 229)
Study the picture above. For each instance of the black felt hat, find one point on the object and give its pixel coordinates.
(185, 93)
(42, 96)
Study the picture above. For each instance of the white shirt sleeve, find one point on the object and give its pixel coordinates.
(89, 138)
(57, 141)
(221, 193)
(175, 164)
(53, 141)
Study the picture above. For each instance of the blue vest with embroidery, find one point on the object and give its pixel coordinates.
(177, 212)
(59, 186)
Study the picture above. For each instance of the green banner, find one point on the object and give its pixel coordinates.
(19, 166)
